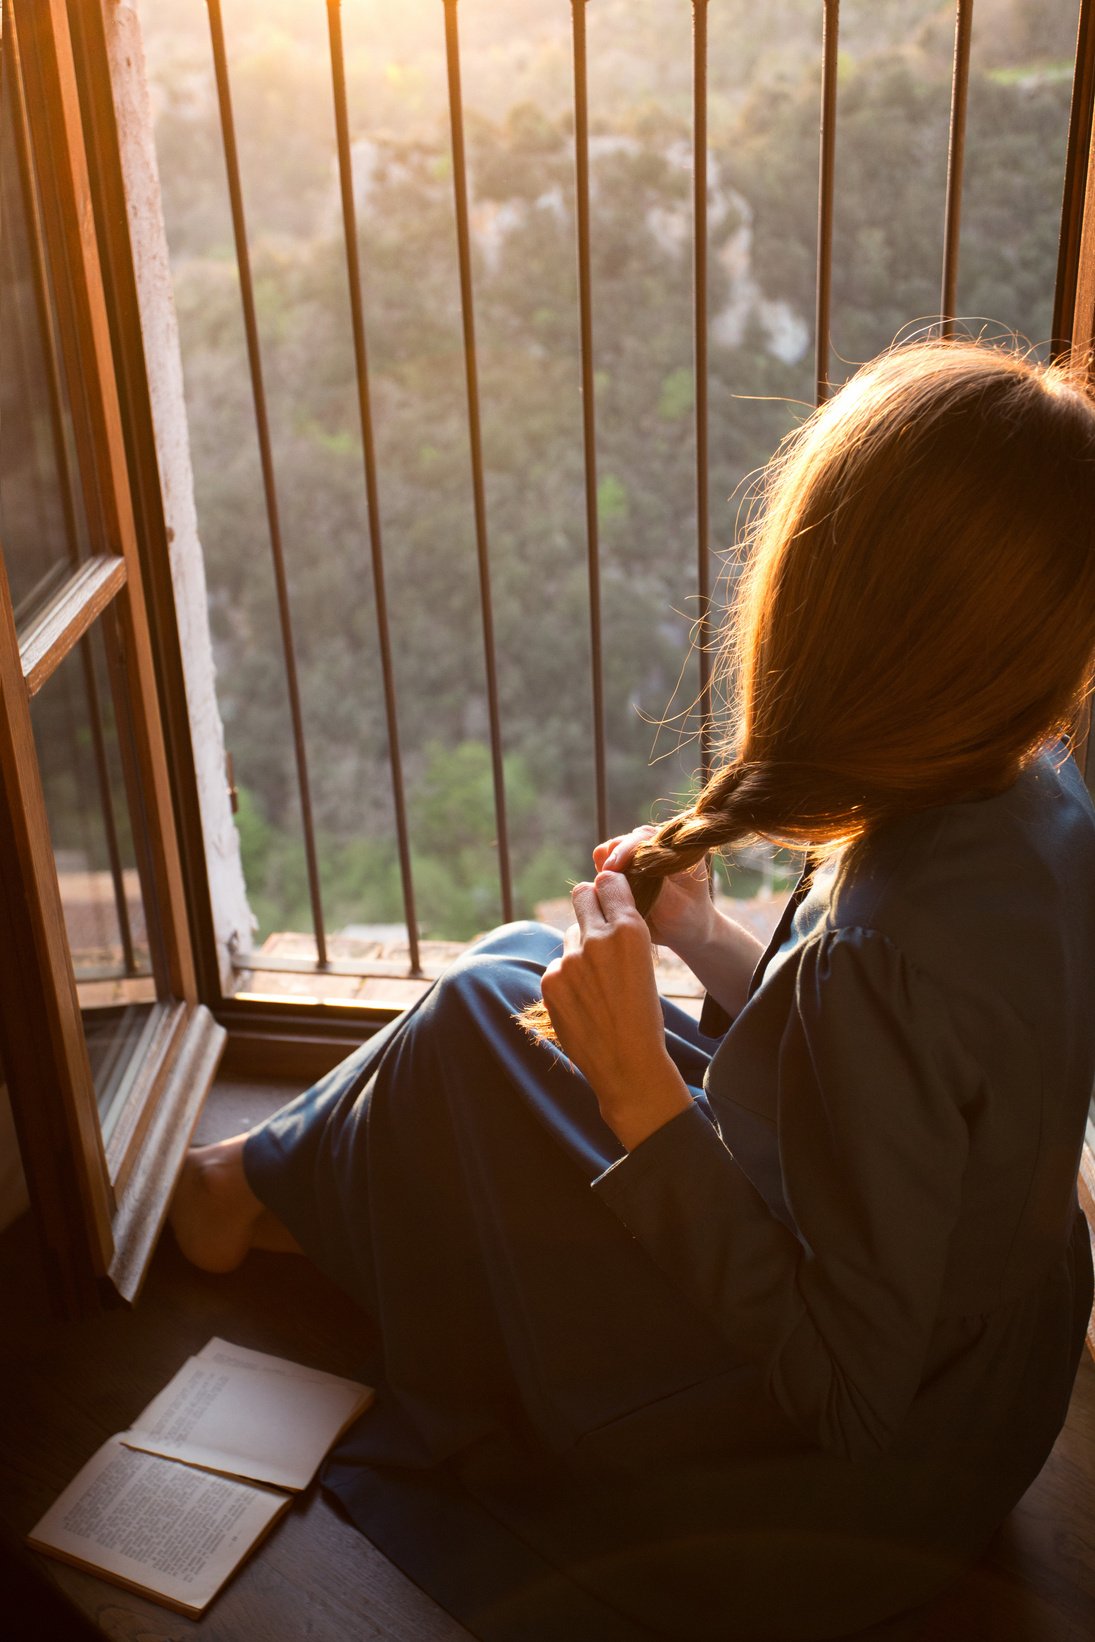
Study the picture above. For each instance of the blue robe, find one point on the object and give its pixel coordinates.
(783, 1369)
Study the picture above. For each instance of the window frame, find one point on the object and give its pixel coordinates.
(99, 1205)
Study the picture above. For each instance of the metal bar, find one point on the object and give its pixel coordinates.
(463, 239)
(262, 429)
(699, 350)
(830, 32)
(361, 364)
(1075, 188)
(956, 148)
(589, 408)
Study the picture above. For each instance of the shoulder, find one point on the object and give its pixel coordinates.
(991, 901)
(967, 873)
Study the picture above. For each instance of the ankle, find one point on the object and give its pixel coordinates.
(214, 1213)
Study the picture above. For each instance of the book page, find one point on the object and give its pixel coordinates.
(250, 1415)
(168, 1530)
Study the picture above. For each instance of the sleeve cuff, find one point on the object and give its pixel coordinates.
(666, 1150)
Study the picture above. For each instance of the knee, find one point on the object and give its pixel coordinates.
(461, 996)
(499, 974)
(524, 938)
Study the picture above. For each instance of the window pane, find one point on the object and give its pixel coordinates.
(107, 918)
(42, 527)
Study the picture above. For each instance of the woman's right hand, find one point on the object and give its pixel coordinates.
(682, 916)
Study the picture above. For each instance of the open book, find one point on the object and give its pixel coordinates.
(172, 1506)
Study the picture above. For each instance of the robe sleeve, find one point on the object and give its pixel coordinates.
(837, 1309)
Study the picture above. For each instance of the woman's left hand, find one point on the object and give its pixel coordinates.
(604, 1006)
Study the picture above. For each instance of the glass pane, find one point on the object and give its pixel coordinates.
(42, 526)
(107, 918)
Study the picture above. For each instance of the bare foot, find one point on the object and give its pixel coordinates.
(215, 1215)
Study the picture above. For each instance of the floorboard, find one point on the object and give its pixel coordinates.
(64, 1388)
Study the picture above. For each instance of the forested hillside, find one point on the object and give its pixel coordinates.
(893, 104)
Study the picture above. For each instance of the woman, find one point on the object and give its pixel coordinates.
(813, 1330)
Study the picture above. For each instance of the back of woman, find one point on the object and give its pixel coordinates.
(886, 1225)
(758, 1327)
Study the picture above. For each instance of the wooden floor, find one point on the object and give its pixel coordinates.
(66, 1387)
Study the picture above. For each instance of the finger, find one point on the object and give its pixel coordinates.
(625, 847)
(602, 852)
(614, 896)
(572, 938)
(587, 908)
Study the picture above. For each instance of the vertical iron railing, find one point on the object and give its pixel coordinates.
(262, 429)
(826, 193)
(475, 441)
(699, 372)
(826, 196)
(956, 150)
(589, 407)
(361, 367)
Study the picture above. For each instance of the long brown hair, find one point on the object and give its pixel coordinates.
(916, 612)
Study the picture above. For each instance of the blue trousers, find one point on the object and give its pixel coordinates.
(441, 1176)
